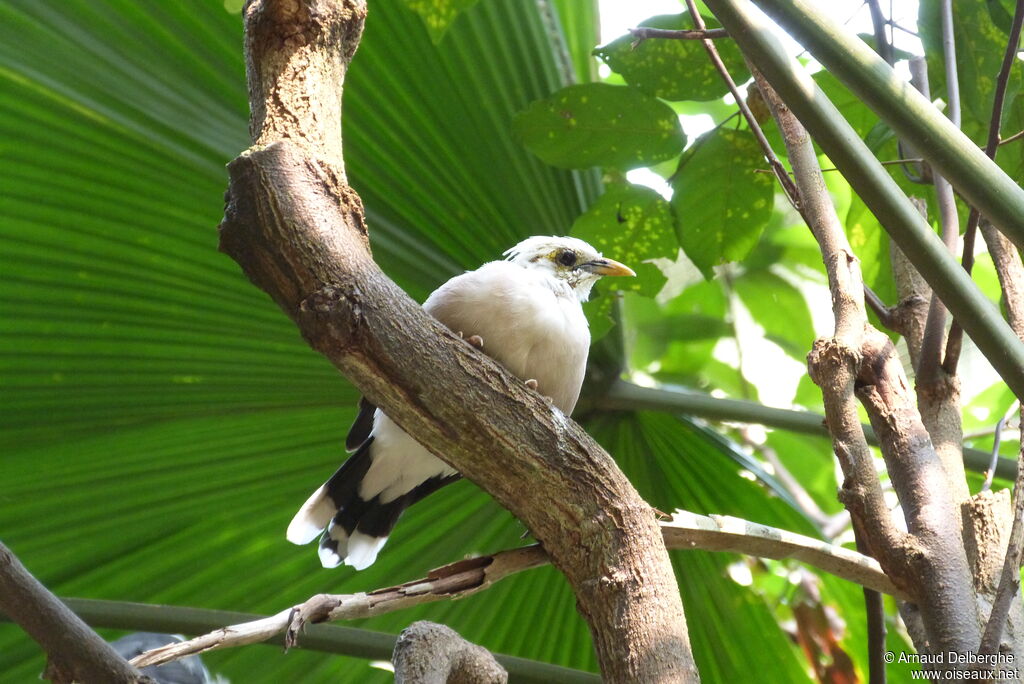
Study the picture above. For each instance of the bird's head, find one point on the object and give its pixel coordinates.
(568, 259)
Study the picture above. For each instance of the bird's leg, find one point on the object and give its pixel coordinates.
(531, 383)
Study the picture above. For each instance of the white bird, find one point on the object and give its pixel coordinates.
(529, 311)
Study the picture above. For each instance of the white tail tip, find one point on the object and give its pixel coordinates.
(312, 518)
(363, 550)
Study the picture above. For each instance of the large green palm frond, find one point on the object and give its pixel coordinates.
(162, 420)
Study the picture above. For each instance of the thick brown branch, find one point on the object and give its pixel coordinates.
(932, 514)
(860, 359)
(298, 232)
(539, 464)
(833, 363)
(914, 293)
(74, 652)
(427, 652)
(938, 388)
(297, 53)
(1010, 271)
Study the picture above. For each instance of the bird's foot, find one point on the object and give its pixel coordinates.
(660, 515)
(476, 341)
(531, 383)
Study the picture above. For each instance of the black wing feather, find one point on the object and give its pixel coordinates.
(361, 426)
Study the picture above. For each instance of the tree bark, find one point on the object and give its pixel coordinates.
(299, 233)
(429, 653)
(929, 561)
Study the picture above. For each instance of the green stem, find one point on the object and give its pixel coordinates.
(359, 643)
(912, 116)
(625, 396)
(978, 316)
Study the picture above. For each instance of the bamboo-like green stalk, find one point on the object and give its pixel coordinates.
(359, 643)
(975, 313)
(625, 396)
(914, 119)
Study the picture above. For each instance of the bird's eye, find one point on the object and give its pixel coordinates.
(567, 258)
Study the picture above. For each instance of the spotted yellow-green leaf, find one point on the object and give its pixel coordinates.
(673, 69)
(599, 315)
(631, 224)
(722, 204)
(438, 15)
(596, 124)
(870, 243)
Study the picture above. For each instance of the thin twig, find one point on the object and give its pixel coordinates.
(645, 32)
(788, 188)
(997, 438)
(878, 21)
(949, 63)
(883, 46)
(875, 608)
(902, 28)
(930, 362)
(1016, 136)
(875, 614)
(884, 313)
(891, 162)
(956, 333)
(457, 580)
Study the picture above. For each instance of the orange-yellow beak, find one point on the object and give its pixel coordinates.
(608, 267)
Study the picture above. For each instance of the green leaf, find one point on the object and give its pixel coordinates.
(811, 462)
(599, 315)
(674, 69)
(849, 105)
(162, 419)
(438, 15)
(674, 341)
(863, 120)
(780, 308)
(870, 243)
(596, 124)
(721, 203)
(631, 224)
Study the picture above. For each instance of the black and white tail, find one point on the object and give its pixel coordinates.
(354, 529)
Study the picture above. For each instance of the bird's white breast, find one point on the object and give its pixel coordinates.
(531, 322)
